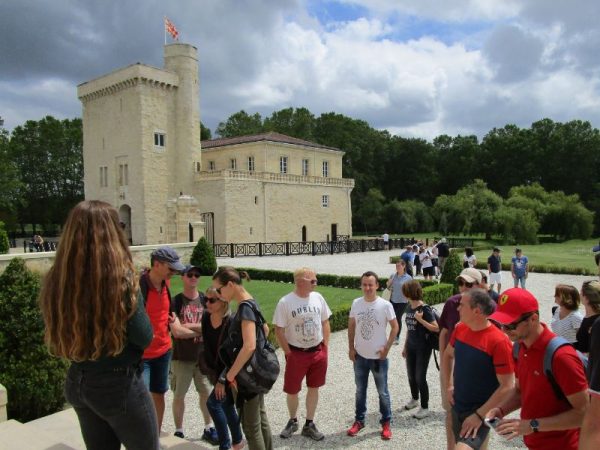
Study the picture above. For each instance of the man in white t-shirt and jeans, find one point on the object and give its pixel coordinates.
(368, 349)
(302, 328)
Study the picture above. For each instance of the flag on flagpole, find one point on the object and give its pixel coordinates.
(170, 28)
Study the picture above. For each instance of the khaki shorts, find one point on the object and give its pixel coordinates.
(182, 374)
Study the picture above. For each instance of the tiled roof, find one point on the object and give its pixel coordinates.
(271, 136)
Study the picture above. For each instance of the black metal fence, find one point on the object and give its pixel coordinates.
(307, 248)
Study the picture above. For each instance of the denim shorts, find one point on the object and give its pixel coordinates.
(156, 373)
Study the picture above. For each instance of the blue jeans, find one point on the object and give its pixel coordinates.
(156, 373)
(522, 279)
(113, 407)
(379, 369)
(224, 414)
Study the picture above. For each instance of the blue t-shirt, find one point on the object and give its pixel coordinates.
(408, 257)
(397, 282)
(520, 265)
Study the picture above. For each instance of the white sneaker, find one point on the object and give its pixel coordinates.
(412, 404)
(421, 413)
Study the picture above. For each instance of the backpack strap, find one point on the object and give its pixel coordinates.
(555, 343)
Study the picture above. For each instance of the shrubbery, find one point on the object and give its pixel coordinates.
(33, 378)
(4, 244)
(204, 257)
(452, 268)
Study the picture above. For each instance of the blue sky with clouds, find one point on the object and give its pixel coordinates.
(414, 68)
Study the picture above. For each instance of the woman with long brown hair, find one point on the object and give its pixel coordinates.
(95, 318)
(242, 335)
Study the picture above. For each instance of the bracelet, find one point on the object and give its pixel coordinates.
(477, 414)
(222, 380)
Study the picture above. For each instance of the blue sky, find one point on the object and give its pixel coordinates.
(414, 68)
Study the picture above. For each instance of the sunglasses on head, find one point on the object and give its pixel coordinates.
(193, 274)
(513, 326)
(213, 300)
(462, 282)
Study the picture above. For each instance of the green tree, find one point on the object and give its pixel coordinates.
(33, 378)
(10, 185)
(204, 257)
(296, 122)
(205, 133)
(4, 244)
(517, 226)
(370, 211)
(452, 268)
(240, 124)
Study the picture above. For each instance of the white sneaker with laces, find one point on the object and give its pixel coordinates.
(411, 404)
(421, 413)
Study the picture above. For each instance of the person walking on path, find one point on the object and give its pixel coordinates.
(368, 349)
(188, 353)
(301, 322)
(242, 335)
(494, 263)
(220, 403)
(551, 412)
(95, 318)
(566, 319)
(165, 263)
(590, 297)
(519, 267)
(483, 369)
(417, 349)
(399, 301)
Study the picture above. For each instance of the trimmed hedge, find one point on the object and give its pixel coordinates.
(543, 268)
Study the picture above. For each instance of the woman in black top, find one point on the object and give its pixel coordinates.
(242, 334)
(590, 298)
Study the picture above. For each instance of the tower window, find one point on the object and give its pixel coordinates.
(160, 139)
(233, 164)
(305, 167)
(325, 201)
(283, 164)
(212, 165)
(103, 176)
(325, 169)
(251, 163)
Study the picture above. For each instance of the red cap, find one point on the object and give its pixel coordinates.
(512, 304)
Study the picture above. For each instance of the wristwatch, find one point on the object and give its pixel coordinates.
(535, 425)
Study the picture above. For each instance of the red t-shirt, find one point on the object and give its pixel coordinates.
(537, 396)
(157, 307)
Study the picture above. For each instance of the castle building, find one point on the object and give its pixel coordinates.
(142, 154)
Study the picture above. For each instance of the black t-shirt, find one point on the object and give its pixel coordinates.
(244, 312)
(443, 250)
(593, 370)
(584, 332)
(188, 311)
(495, 263)
(212, 340)
(417, 333)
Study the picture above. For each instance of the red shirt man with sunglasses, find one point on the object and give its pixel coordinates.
(188, 348)
(547, 421)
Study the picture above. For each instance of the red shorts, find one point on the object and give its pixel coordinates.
(312, 365)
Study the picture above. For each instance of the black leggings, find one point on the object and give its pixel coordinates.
(399, 309)
(417, 361)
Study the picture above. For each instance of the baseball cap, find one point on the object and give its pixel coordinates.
(170, 256)
(188, 268)
(470, 275)
(512, 304)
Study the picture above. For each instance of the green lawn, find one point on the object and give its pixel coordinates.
(268, 293)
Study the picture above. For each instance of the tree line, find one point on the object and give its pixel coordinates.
(402, 184)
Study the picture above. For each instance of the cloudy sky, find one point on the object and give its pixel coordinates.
(414, 67)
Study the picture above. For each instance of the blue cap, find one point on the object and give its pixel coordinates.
(170, 256)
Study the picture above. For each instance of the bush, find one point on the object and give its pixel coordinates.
(452, 269)
(4, 244)
(204, 257)
(437, 293)
(33, 378)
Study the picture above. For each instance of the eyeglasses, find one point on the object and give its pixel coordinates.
(462, 282)
(193, 274)
(314, 282)
(513, 326)
(213, 300)
(218, 290)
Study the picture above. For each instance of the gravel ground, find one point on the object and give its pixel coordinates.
(335, 412)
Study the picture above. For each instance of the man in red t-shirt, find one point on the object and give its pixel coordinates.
(547, 421)
(164, 263)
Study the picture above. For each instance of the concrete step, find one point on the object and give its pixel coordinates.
(17, 436)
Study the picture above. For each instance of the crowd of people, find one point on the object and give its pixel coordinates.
(129, 341)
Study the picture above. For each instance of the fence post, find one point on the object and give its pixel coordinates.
(362, 245)
(312, 244)
(348, 246)
(232, 250)
(260, 250)
(287, 249)
(331, 245)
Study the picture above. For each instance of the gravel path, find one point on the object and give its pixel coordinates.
(335, 412)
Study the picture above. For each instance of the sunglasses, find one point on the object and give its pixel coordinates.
(193, 274)
(218, 290)
(314, 282)
(462, 282)
(513, 326)
(213, 300)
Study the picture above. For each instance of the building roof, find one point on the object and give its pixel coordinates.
(271, 136)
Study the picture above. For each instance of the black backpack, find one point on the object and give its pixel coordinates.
(433, 338)
(261, 371)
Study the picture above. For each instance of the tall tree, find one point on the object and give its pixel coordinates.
(10, 185)
(240, 124)
(205, 133)
(296, 122)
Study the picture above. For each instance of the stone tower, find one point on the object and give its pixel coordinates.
(141, 144)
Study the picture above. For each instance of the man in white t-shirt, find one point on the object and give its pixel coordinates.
(302, 328)
(368, 348)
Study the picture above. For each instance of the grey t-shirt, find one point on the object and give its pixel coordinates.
(397, 282)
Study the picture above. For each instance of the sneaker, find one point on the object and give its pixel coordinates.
(211, 436)
(421, 413)
(386, 432)
(412, 404)
(355, 428)
(311, 431)
(290, 428)
(179, 434)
